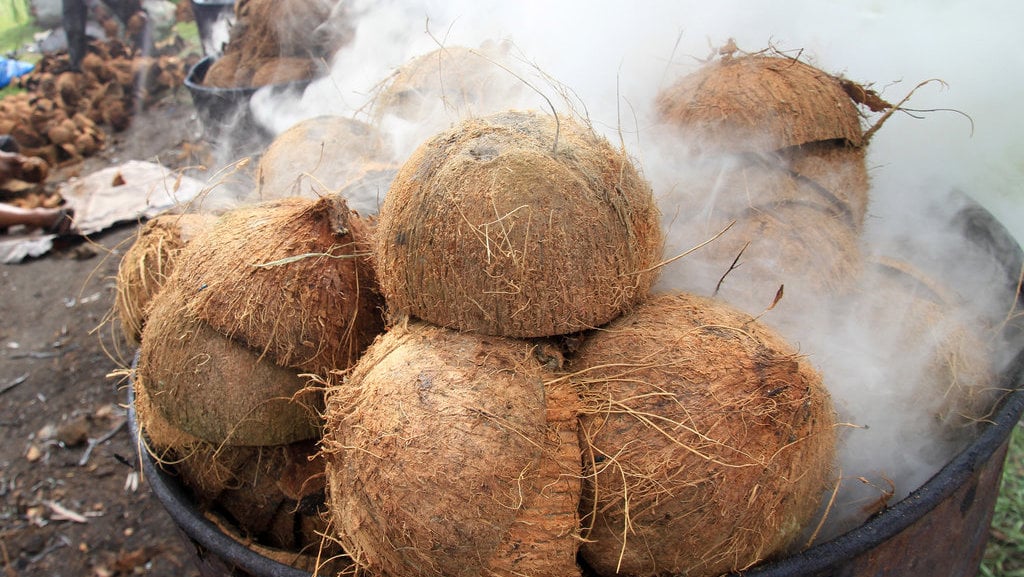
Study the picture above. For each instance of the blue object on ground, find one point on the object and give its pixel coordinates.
(11, 69)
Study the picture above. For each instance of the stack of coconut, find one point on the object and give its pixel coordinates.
(61, 115)
(231, 313)
(529, 407)
(279, 41)
(777, 158)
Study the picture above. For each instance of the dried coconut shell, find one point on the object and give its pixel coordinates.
(450, 78)
(708, 441)
(148, 262)
(512, 225)
(284, 70)
(291, 278)
(318, 155)
(784, 233)
(448, 455)
(760, 104)
(217, 389)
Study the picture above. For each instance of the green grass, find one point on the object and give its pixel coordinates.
(1004, 556)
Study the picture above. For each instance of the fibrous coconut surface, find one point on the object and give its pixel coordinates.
(517, 224)
(447, 455)
(708, 441)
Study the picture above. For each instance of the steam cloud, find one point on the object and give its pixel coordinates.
(607, 60)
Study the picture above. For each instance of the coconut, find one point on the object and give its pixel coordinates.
(517, 225)
(760, 103)
(928, 331)
(708, 441)
(448, 455)
(217, 389)
(837, 170)
(283, 70)
(318, 155)
(289, 278)
(146, 265)
(784, 236)
(456, 78)
(777, 107)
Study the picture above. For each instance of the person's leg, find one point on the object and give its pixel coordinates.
(73, 19)
(135, 20)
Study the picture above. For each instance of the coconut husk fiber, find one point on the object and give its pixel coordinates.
(708, 441)
(838, 170)
(290, 278)
(317, 156)
(448, 455)
(514, 225)
(452, 78)
(148, 262)
(760, 103)
(217, 389)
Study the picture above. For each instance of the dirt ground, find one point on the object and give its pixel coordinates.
(71, 501)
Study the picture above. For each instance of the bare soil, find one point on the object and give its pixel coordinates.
(71, 501)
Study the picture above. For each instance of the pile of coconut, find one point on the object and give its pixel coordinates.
(482, 380)
(62, 116)
(279, 41)
(231, 312)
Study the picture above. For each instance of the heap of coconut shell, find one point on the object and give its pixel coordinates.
(63, 116)
(277, 42)
(779, 153)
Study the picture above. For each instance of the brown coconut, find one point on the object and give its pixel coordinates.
(217, 389)
(448, 455)
(922, 318)
(284, 70)
(148, 262)
(318, 155)
(450, 78)
(290, 278)
(784, 235)
(516, 225)
(708, 441)
(222, 73)
(760, 103)
(780, 107)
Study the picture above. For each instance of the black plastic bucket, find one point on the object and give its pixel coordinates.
(225, 113)
(939, 529)
(207, 13)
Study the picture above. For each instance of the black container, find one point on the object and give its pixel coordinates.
(225, 113)
(206, 14)
(938, 530)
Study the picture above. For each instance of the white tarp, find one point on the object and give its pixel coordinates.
(133, 191)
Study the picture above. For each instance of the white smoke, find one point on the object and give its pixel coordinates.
(609, 59)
